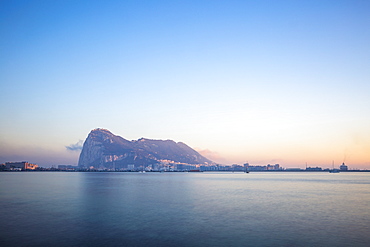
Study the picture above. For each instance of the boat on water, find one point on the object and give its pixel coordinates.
(334, 170)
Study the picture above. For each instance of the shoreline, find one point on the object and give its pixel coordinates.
(278, 171)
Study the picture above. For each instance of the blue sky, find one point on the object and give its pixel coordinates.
(261, 81)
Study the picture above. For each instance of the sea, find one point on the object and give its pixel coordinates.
(184, 209)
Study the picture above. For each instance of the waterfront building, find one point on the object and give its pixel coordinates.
(314, 168)
(269, 167)
(236, 167)
(184, 167)
(67, 167)
(273, 167)
(23, 165)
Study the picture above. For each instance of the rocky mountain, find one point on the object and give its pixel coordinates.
(102, 149)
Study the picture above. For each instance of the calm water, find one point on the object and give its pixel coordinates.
(184, 209)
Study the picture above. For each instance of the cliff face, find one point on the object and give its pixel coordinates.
(102, 149)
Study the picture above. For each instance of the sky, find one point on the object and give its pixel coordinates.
(262, 82)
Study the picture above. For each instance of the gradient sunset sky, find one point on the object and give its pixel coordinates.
(283, 82)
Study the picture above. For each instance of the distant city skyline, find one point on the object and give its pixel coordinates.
(263, 82)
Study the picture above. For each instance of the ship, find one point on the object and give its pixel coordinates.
(334, 170)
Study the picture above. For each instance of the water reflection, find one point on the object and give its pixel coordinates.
(185, 209)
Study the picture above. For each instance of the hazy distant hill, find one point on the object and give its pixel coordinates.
(106, 150)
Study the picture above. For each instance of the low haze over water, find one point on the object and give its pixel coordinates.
(184, 209)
